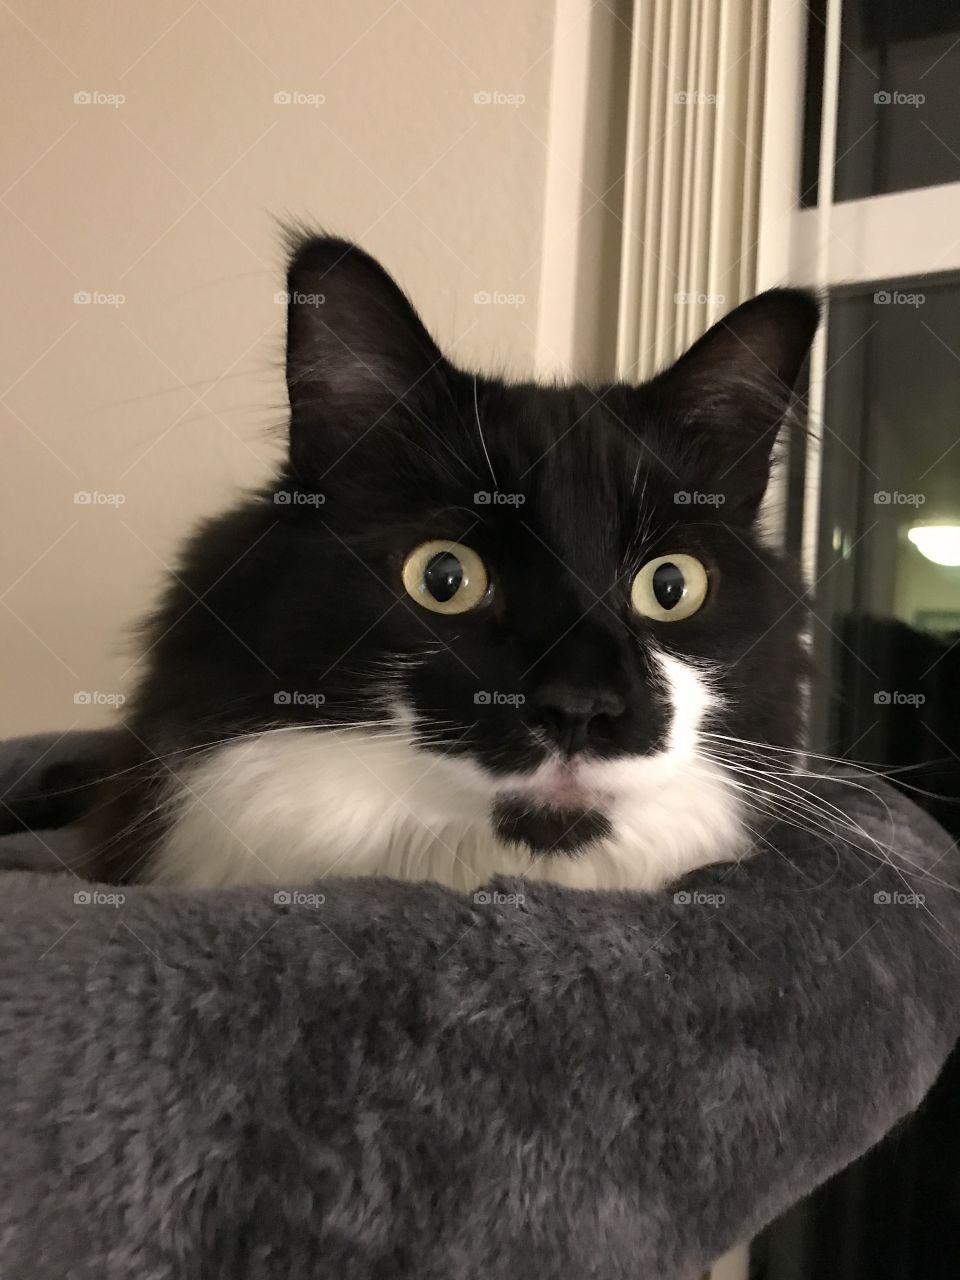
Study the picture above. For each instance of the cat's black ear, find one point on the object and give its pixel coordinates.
(734, 386)
(358, 354)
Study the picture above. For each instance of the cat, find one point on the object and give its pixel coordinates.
(473, 627)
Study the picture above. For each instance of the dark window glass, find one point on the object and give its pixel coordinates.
(812, 102)
(898, 119)
(887, 642)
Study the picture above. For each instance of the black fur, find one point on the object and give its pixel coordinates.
(299, 588)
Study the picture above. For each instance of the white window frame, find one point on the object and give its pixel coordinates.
(884, 237)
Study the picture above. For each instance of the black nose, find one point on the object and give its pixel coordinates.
(570, 713)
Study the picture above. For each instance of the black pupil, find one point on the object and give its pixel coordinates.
(668, 585)
(443, 576)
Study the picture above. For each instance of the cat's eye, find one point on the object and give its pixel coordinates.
(669, 588)
(446, 577)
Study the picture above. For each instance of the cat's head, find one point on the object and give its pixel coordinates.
(551, 595)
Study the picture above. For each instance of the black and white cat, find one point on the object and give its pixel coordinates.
(474, 627)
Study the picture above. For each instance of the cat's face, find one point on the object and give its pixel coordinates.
(545, 598)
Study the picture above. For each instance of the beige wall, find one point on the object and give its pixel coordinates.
(172, 399)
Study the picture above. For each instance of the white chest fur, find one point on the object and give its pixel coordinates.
(292, 806)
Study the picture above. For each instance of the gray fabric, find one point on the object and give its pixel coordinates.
(401, 1081)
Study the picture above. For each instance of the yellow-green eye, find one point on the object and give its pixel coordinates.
(446, 577)
(669, 588)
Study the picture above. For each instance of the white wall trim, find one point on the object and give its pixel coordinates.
(780, 148)
(570, 86)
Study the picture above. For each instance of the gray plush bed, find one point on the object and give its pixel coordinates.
(394, 1080)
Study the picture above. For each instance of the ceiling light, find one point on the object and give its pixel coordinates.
(938, 542)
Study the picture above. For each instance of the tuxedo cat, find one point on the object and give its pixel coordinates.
(474, 627)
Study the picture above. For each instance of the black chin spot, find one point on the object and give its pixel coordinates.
(548, 830)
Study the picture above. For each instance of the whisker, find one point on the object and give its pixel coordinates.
(796, 806)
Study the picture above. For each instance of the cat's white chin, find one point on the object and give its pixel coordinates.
(560, 784)
(297, 806)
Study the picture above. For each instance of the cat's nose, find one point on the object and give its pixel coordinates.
(570, 713)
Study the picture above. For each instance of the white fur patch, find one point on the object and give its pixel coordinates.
(285, 807)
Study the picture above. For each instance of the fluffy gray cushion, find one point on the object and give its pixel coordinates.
(401, 1081)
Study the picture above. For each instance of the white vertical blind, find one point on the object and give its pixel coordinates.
(691, 191)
